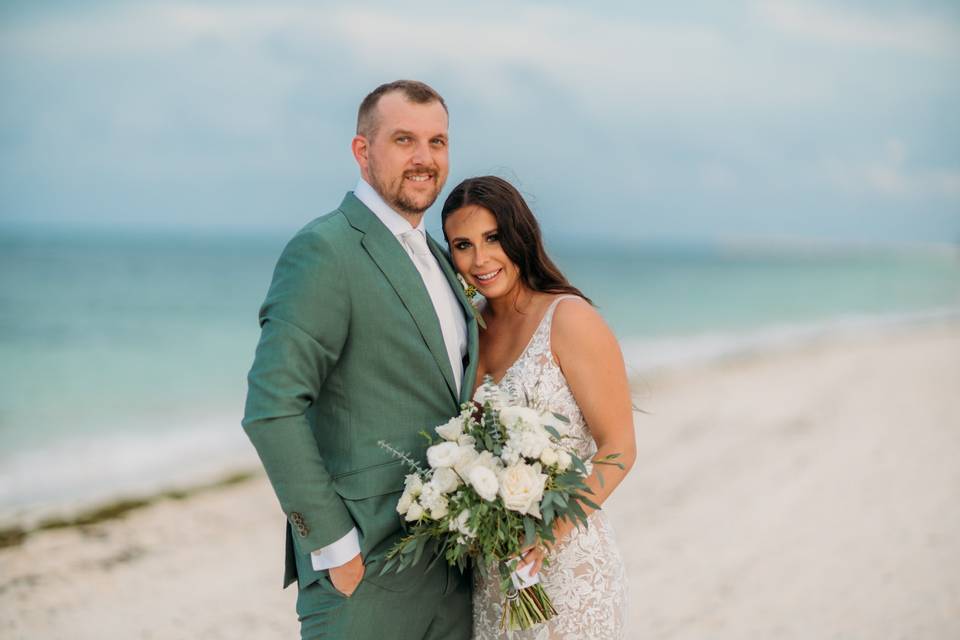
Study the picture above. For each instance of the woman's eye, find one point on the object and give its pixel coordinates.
(460, 246)
(493, 238)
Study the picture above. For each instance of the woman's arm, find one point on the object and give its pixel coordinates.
(591, 361)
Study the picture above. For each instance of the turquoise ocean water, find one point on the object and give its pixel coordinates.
(123, 357)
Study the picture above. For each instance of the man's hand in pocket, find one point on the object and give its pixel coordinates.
(346, 577)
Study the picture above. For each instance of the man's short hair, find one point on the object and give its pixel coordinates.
(413, 90)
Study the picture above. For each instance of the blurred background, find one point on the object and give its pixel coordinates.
(722, 178)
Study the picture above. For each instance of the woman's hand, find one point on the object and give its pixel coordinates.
(536, 553)
(532, 556)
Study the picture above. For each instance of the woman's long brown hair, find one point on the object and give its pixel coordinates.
(517, 229)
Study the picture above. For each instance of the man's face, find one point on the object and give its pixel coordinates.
(407, 161)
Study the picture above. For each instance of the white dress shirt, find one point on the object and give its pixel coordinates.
(452, 324)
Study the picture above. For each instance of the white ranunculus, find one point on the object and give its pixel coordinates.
(484, 481)
(563, 460)
(521, 487)
(452, 430)
(549, 457)
(413, 484)
(403, 504)
(512, 416)
(443, 455)
(445, 479)
(415, 512)
(465, 459)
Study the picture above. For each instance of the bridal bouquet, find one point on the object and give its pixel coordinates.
(499, 475)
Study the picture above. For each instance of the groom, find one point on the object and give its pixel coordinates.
(366, 336)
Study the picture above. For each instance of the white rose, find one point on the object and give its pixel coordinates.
(466, 440)
(563, 460)
(484, 481)
(521, 487)
(413, 484)
(511, 416)
(415, 512)
(452, 430)
(404, 503)
(446, 480)
(549, 457)
(443, 455)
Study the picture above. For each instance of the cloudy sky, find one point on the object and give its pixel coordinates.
(680, 121)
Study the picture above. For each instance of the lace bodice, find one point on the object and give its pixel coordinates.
(585, 579)
(536, 379)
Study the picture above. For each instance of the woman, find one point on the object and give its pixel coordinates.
(545, 341)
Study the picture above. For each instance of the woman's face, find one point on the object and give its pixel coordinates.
(477, 254)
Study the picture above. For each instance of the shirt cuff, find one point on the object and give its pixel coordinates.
(336, 553)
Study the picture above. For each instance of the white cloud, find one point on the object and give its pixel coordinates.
(907, 33)
(607, 64)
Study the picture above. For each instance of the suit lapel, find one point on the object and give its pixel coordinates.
(470, 372)
(392, 260)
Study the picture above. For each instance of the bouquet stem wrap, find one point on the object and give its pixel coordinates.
(527, 603)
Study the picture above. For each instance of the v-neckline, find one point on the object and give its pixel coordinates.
(527, 347)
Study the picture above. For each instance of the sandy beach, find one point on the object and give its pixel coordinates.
(808, 493)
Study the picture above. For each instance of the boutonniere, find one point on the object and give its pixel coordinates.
(471, 292)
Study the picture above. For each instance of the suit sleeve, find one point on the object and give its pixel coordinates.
(303, 324)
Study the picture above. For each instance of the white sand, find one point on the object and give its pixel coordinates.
(807, 494)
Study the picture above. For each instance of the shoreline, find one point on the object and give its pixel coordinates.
(106, 488)
(102, 511)
(16, 525)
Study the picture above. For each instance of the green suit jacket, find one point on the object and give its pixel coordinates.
(350, 353)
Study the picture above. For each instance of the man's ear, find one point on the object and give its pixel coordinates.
(360, 147)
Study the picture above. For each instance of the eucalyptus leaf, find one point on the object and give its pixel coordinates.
(529, 531)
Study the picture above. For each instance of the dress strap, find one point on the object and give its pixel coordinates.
(548, 316)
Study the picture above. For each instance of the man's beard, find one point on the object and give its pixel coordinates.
(396, 197)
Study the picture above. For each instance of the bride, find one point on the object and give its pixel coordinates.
(545, 341)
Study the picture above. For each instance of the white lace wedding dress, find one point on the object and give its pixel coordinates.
(586, 579)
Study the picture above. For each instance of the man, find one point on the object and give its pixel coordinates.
(366, 336)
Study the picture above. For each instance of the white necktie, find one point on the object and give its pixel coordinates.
(444, 300)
